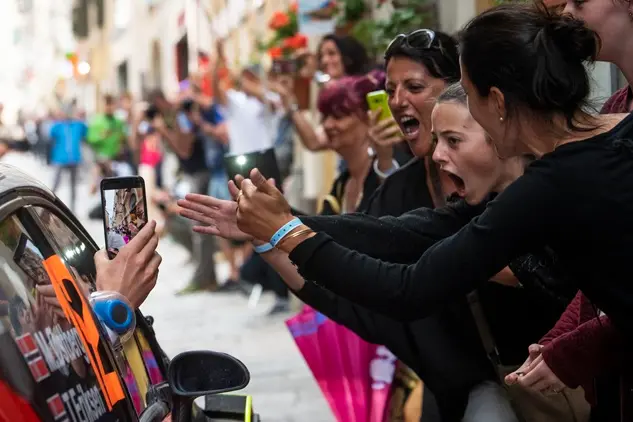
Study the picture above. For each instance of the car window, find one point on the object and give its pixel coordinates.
(135, 359)
(48, 359)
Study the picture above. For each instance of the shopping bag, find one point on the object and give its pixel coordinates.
(355, 376)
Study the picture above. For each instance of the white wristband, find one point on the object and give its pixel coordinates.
(394, 167)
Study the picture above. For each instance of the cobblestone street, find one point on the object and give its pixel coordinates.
(281, 384)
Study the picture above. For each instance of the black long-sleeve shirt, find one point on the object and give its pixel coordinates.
(577, 199)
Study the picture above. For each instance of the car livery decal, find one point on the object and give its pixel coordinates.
(77, 310)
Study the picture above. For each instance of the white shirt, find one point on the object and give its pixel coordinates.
(251, 125)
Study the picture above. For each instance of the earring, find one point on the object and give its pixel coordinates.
(501, 119)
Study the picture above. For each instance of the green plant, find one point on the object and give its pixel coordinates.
(409, 15)
(351, 11)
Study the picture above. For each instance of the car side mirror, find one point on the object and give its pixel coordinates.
(199, 373)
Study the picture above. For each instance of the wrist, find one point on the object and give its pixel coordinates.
(291, 242)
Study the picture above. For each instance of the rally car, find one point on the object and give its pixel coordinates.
(70, 354)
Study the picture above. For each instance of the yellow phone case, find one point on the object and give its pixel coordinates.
(379, 100)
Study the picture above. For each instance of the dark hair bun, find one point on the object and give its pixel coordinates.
(535, 56)
(571, 36)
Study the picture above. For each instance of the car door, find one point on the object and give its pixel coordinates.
(137, 361)
(51, 349)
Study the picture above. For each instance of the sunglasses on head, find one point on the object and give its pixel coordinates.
(418, 39)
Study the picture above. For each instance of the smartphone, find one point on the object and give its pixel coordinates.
(379, 100)
(242, 164)
(124, 204)
(284, 67)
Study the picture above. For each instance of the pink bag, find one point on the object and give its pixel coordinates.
(354, 376)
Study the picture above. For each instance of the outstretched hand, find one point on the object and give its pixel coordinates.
(216, 216)
(261, 208)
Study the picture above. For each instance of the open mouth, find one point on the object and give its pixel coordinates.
(410, 126)
(460, 186)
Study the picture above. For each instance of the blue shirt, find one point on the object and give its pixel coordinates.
(66, 137)
(214, 149)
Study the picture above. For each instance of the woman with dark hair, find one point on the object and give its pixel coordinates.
(338, 57)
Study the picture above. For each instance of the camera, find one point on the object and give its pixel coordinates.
(151, 112)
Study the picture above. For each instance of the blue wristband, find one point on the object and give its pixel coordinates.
(263, 248)
(284, 230)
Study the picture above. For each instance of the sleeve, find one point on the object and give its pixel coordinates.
(369, 325)
(567, 322)
(403, 238)
(579, 356)
(518, 220)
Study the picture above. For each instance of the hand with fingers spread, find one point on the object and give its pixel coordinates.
(383, 135)
(218, 217)
(134, 270)
(261, 208)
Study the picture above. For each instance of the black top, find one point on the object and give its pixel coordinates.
(333, 203)
(404, 190)
(577, 199)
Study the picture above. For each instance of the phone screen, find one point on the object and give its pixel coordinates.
(124, 210)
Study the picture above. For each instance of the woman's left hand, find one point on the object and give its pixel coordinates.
(261, 208)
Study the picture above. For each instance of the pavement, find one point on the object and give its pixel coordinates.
(282, 386)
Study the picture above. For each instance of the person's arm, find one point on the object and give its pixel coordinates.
(367, 324)
(517, 220)
(567, 322)
(582, 354)
(181, 139)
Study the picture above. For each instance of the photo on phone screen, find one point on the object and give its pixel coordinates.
(124, 210)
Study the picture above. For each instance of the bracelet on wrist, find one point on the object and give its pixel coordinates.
(285, 230)
(394, 167)
(263, 248)
(295, 234)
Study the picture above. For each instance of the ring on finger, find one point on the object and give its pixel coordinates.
(239, 196)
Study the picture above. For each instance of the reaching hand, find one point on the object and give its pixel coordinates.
(262, 209)
(218, 216)
(134, 270)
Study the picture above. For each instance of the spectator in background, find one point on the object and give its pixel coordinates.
(337, 57)
(106, 136)
(251, 123)
(130, 149)
(67, 134)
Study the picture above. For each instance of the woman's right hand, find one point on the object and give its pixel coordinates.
(383, 135)
(218, 216)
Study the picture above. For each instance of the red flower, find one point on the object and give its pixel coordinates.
(278, 21)
(275, 52)
(294, 7)
(296, 42)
